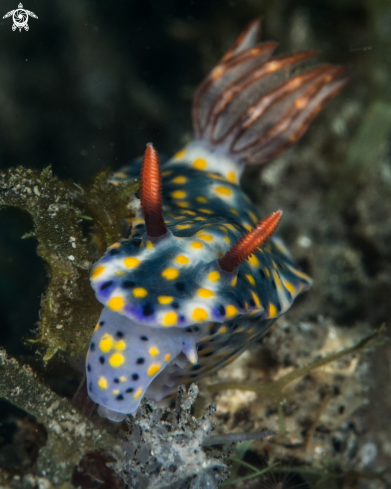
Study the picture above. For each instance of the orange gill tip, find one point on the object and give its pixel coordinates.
(151, 193)
(249, 242)
(248, 38)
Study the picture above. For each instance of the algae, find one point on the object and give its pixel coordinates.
(69, 309)
(274, 390)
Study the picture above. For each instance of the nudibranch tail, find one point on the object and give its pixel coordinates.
(151, 193)
(249, 242)
(249, 105)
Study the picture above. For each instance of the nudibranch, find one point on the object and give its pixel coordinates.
(202, 276)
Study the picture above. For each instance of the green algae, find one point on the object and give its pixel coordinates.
(59, 210)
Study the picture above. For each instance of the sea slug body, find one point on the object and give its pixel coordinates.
(202, 276)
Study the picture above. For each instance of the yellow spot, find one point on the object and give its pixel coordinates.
(190, 213)
(153, 351)
(222, 330)
(231, 311)
(178, 194)
(182, 204)
(121, 174)
(277, 280)
(253, 217)
(227, 239)
(167, 357)
(199, 314)
(290, 287)
(115, 245)
(123, 378)
(253, 261)
(256, 300)
(182, 259)
(120, 273)
(205, 293)
(166, 173)
(192, 357)
(223, 190)
(102, 382)
(106, 343)
(140, 292)
(250, 331)
(231, 177)
(200, 164)
(179, 180)
(183, 226)
(272, 311)
(96, 327)
(170, 319)
(267, 272)
(250, 278)
(116, 303)
(116, 360)
(234, 211)
(214, 276)
(170, 273)
(138, 393)
(200, 218)
(206, 237)
(149, 245)
(180, 154)
(165, 299)
(215, 175)
(153, 369)
(131, 262)
(202, 199)
(247, 226)
(206, 211)
(234, 281)
(299, 274)
(120, 345)
(230, 226)
(97, 271)
(196, 244)
(116, 392)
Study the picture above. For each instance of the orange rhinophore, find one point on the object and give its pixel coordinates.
(249, 242)
(151, 193)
